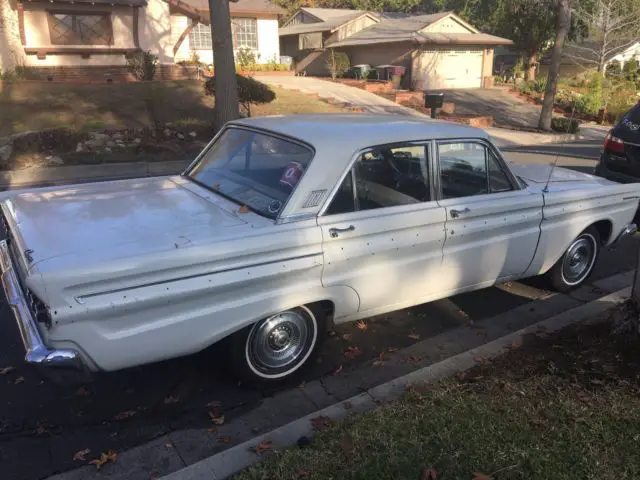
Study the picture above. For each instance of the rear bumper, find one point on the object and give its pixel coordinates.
(601, 170)
(54, 363)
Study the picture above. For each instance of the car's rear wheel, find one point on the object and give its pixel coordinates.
(276, 348)
(577, 262)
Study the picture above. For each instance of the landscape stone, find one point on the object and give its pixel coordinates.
(193, 134)
(5, 153)
(55, 160)
(99, 137)
(167, 132)
(180, 136)
(79, 147)
(111, 143)
(107, 150)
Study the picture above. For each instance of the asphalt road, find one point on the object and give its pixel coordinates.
(42, 426)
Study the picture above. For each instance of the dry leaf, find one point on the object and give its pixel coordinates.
(82, 392)
(228, 440)
(263, 447)
(5, 370)
(352, 352)
(346, 337)
(337, 371)
(80, 455)
(40, 430)
(214, 404)
(392, 349)
(481, 476)
(18, 380)
(429, 474)
(216, 419)
(321, 422)
(243, 209)
(123, 415)
(110, 456)
(377, 363)
(414, 336)
(171, 400)
(212, 430)
(515, 344)
(381, 356)
(362, 325)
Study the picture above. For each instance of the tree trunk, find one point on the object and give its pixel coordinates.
(531, 67)
(562, 30)
(226, 86)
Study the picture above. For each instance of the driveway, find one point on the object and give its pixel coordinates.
(356, 97)
(507, 109)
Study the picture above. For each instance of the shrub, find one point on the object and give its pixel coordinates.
(142, 65)
(631, 71)
(565, 125)
(622, 99)
(540, 85)
(594, 98)
(614, 69)
(525, 87)
(250, 92)
(338, 63)
(246, 59)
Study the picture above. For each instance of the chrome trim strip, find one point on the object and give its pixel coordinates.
(37, 353)
(627, 231)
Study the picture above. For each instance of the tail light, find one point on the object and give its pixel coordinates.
(613, 144)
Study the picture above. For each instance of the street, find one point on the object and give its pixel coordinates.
(43, 426)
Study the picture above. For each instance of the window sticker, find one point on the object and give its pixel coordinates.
(292, 174)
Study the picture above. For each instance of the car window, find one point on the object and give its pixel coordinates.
(463, 169)
(498, 178)
(385, 177)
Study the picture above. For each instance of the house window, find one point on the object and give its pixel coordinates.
(200, 37)
(245, 33)
(80, 29)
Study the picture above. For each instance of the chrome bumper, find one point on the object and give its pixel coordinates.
(627, 231)
(37, 353)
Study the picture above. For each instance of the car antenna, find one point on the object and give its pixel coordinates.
(555, 162)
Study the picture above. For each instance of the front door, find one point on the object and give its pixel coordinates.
(383, 232)
(493, 225)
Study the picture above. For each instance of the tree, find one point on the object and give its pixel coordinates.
(613, 25)
(226, 86)
(563, 25)
(250, 92)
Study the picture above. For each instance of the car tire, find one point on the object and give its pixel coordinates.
(577, 262)
(276, 349)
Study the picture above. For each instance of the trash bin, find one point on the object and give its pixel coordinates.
(362, 71)
(397, 73)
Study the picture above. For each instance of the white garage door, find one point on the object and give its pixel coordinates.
(437, 69)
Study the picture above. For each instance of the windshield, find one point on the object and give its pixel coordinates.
(253, 169)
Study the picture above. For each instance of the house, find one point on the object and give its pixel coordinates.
(438, 51)
(64, 39)
(631, 52)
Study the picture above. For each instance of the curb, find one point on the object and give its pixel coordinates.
(235, 459)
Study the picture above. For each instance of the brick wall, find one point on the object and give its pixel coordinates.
(11, 51)
(105, 74)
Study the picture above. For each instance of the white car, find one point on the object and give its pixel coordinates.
(284, 226)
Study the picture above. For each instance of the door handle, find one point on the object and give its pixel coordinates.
(456, 213)
(335, 232)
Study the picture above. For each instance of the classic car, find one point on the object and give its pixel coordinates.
(283, 227)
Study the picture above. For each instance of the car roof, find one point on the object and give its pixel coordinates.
(353, 132)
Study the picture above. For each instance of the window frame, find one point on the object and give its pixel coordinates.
(76, 13)
(515, 184)
(235, 36)
(195, 32)
(429, 165)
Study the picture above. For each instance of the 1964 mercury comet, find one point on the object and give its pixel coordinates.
(283, 226)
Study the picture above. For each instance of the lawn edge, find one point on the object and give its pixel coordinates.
(235, 459)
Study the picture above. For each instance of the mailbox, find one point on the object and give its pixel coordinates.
(434, 101)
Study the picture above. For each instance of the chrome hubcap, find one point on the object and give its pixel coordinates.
(279, 342)
(578, 260)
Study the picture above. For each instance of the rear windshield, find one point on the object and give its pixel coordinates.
(632, 119)
(253, 169)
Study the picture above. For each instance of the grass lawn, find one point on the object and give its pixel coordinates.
(564, 407)
(26, 106)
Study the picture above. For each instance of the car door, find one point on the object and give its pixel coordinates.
(383, 230)
(493, 225)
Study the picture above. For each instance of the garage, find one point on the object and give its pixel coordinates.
(447, 68)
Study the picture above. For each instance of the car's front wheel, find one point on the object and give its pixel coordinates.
(276, 348)
(577, 262)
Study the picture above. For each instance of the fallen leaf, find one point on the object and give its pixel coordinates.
(123, 415)
(110, 456)
(168, 445)
(302, 384)
(346, 444)
(243, 209)
(429, 474)
(80, 455)
(337, 371)
(392, 349)
(481, 476)
(381, 356)
(515, 344)
(82, 392)
(40, 430)
(321, 422)
(414, 336)
(171, 400)
(212, 430)
(595, 381)
(362, 325)
(263, 447)
(214, 404)
(18, 380)
(346, 337)
(377, 363)
(352, 352)
(5, 370)
(228, 440)
(216, 419)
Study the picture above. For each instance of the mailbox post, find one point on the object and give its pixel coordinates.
(433, 101)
